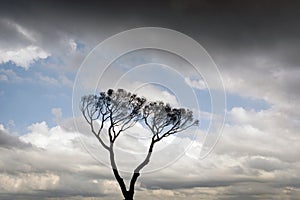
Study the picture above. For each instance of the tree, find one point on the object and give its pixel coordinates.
(121, 110)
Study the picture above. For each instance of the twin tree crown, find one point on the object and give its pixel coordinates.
(126, 107)
(122, 110)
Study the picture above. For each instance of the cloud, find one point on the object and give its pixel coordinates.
(153, 93)
(199, 84)
(24, 43)
(8, 75)
(23, 57)
(31, 165)
(3, 77)
(20, 29)
(267, 164)
(10, 141)
(263, 76)
(57, 113)
(257, 156)
(25, 182)
(65, 81)
(251, 154)
(47, 79)
(60, 80)
(43, 137)
(73, 45)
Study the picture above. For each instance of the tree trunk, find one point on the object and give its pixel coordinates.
(129, 195)
(116, 172)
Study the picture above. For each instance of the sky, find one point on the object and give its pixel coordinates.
(45, 49)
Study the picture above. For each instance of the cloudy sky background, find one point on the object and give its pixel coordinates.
(256, 47)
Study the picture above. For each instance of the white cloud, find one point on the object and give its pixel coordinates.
(73, 45)
(11, 123)
(2, 128)
(3, 77)
(39, 135)
(168, 193)
(49, 138)
(57, 113)
(64, 80)
(195, 83)
(28, 182)
(151, 92)
(23, 57)
(9, 75)
(47, 79)
(61, 80)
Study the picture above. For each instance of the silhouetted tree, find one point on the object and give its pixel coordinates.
(121, 110)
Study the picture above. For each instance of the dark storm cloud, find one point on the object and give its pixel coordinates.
(240, 27)
(257, 23)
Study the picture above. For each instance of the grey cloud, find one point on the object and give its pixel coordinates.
(44, 195)
(40, 173)
(9, 141)
(181, 184)
(235, 34)
(234, 172)
(231, 26)
(267, 164)
(9, 35)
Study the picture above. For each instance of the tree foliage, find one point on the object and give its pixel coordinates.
(121, 110)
